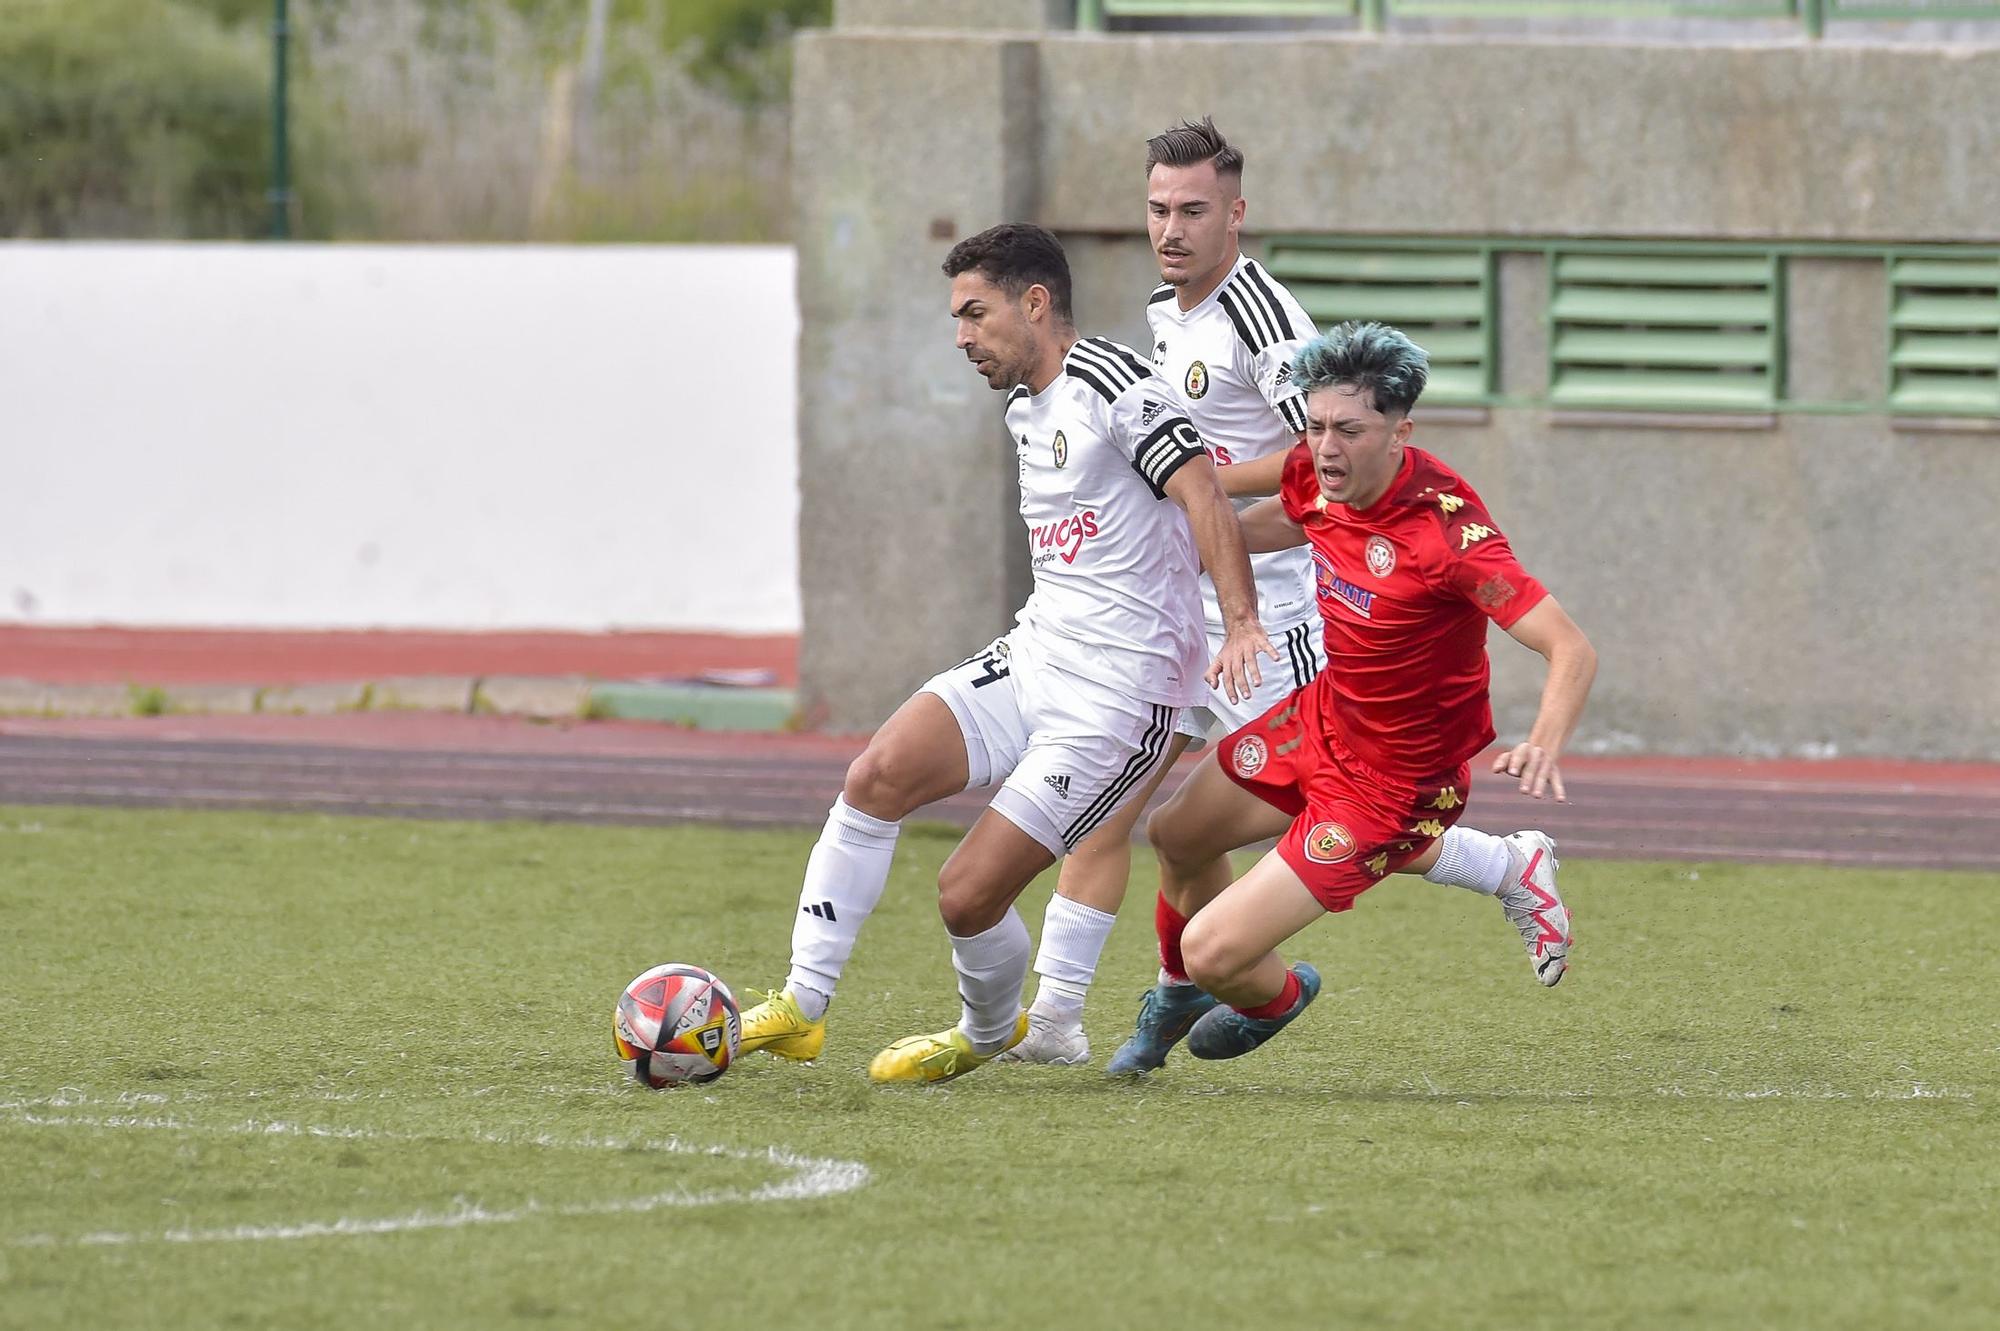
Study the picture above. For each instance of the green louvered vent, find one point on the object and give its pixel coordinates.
(1944, 327)
(1665, 332)
(1441, 298)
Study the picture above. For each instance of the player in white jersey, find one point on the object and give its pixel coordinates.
(1075, 710)
(1224, 333)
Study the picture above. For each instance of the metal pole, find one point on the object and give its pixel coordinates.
(279, 196)
(1814, 14)
(1374, 15)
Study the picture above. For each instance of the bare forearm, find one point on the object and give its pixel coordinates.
(1219, 538)
(1572, 667)
(1254, 479)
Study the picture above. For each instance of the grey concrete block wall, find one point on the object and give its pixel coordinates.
(1798, 583)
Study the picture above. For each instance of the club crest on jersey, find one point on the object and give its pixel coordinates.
(1329, 843)
(1061, 450)
(1381, 557)
(1197, 379)
(1251, 755)
(1333, 587)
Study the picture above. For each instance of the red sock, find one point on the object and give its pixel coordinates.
(1169, 923)
(1278, 1006)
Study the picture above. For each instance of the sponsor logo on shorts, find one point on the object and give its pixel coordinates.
(1333, 587)
(1061, 450)
(1381, 557)
(1329, 843)
(1197, 380)
(1251, 755)
(1060, 783)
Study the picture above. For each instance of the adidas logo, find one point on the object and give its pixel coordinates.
(824, 910)
(1284, 374)
(1150, 412)
(1061, 783)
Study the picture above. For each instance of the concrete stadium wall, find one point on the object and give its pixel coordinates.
(399, 436)
(1802, 584)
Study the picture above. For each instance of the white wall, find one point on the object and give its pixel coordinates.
(400, 436)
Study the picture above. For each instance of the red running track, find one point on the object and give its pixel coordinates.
(1847, 812)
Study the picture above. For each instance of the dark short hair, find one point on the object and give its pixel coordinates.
(1376, 359)
(1187, 144)
(1015, 256)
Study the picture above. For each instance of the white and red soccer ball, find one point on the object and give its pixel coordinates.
(677, 1025)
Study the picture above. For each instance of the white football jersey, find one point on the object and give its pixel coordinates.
(1230, 357)
(1116, 594)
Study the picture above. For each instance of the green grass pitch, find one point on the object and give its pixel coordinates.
(263, 1070)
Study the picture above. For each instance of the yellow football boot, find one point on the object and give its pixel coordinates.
(776, 1026)
(937, 1057)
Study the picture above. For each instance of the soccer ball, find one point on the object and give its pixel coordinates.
(675, 1025)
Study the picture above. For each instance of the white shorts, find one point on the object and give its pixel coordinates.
(1301, 656)
(1067, 752)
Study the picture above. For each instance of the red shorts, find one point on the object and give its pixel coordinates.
(1352, 826)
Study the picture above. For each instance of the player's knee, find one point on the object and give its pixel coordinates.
(880, 785)
(965, 902)
(1206, 951)
(1168, 837)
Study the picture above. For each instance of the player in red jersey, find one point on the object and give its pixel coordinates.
(1359, 773)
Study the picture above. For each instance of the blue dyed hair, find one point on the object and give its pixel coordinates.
(1375, 358)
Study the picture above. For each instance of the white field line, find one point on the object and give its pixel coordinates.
(807, 1177)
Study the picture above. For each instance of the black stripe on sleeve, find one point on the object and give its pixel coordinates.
(1294, 411)
(1253, 306)
(1088, 376)
(1233, 308)
(1109, 368)
(1125, 355)
(1275, 306)
(1162, 293)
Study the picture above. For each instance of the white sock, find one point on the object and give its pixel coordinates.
(845, 876)
(1471, 859)
(992, 967)
(1073, 937)
(1171, 981)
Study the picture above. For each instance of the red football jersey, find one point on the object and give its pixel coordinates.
(1406, 586)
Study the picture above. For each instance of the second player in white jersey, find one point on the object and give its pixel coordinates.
(1229, 354)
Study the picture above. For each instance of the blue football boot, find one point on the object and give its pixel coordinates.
(1165, 1014)
(1226, 1033)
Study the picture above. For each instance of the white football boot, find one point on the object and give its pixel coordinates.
(1050, 1042)
(1534, 906)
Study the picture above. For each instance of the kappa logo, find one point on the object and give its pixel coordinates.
(1381, 557)
(1329, 843)
(1061, 450)
(1060, 781)
(1150, 412)
(1197, 380)
(1250, 756)
(1472, 533)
